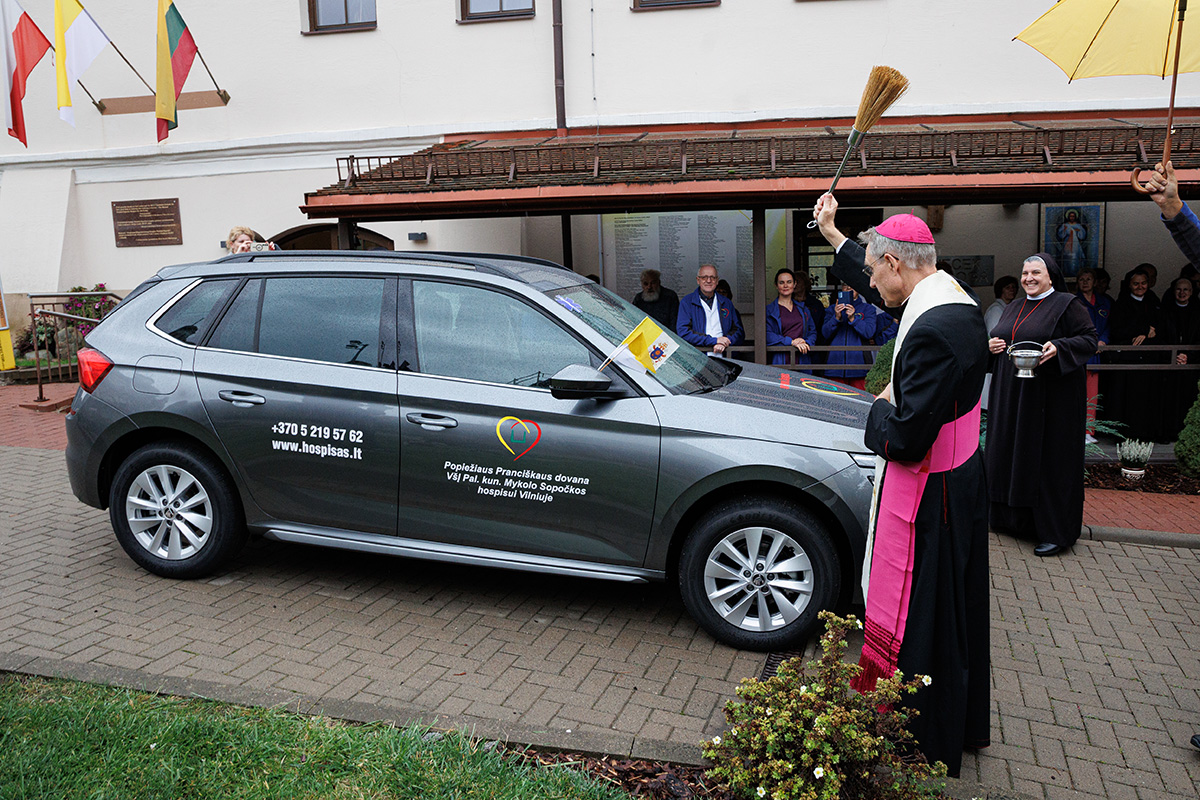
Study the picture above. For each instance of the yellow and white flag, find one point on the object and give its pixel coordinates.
(649, 345)
(77, 42)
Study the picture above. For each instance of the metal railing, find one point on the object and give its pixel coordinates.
(58, 333)
(1162, 363)
(791, 354)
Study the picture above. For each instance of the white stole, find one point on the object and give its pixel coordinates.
(938, 289)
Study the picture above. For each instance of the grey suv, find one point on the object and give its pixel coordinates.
(458, 407)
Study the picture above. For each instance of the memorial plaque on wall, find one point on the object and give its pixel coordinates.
(147, 223)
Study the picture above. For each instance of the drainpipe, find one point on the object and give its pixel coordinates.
(560, 91)
(560, 114)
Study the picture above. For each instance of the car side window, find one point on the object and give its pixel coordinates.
(331, 319)
(472, 332)
(237, 328)
(190, 316)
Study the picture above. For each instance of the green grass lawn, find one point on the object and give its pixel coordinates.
(60, 739)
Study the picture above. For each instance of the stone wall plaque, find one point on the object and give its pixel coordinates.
(147, 223)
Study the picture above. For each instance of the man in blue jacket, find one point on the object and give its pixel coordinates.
(707, 319)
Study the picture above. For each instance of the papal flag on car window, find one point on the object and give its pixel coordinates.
(649, 345)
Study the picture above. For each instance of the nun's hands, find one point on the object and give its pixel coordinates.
(996, 345)
(1049, 351)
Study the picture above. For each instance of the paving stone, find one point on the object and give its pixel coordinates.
(1096, 661)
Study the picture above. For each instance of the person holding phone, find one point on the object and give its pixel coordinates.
(849, 322)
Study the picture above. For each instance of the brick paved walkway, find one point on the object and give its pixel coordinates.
(21, 427)
(1096, 656)
(1141, 511)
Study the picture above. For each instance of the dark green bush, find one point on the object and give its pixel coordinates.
(881, 371)
(1187, 447)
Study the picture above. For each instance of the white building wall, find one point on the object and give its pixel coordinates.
(298, 102)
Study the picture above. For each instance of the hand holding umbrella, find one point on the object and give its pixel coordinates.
(1093, 38)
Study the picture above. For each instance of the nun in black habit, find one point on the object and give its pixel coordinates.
(1035, 432)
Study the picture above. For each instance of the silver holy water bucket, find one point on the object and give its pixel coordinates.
(1026, 359)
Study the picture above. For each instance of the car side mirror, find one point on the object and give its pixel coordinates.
(581, 382)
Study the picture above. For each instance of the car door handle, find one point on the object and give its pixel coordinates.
(432, 422)
(241, 399)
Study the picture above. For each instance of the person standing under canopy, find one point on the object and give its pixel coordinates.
(707, 318)
(1035, 435)
(656, 300)
(1179, 318)
(925, 576)
(788, 323)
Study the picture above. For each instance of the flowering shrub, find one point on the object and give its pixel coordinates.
(1134, 453)
(40, 330)
(91, 306)
(804, 734)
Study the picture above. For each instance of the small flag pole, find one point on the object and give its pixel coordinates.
(126, 60)
(224, 94)
(612, 355)
(99, 105)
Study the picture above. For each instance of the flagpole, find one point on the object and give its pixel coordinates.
(95, 102)
(224, 94)
(126, 60)
(612, 355)
(99, 106)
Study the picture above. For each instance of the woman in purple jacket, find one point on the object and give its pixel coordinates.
(788, 322)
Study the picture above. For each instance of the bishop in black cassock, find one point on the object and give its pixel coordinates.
(926, 572)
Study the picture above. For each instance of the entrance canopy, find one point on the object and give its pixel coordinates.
(918, 163)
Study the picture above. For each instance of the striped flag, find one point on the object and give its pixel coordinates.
(77, 42)
(22, 46)
(176, 51)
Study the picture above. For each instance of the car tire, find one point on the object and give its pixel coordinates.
(769, 602)
(175, 512)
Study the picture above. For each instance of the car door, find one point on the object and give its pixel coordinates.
(490, 459)
(298, 379)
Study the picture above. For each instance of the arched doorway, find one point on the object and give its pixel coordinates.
(325, 237)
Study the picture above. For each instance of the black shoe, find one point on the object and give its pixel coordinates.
(1196, 740)
(1048, 549)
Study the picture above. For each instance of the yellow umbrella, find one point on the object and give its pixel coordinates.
(1094, 38)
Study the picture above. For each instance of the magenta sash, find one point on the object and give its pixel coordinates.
(890, 582)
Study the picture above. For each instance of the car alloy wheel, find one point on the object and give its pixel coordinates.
(169, 512)
(175, 511)
(756, 571)
(758, 579)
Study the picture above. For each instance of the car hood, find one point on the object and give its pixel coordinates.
(793, 407)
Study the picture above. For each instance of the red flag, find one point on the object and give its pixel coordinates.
(22, 46)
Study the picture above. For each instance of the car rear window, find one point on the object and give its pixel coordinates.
(189, 317)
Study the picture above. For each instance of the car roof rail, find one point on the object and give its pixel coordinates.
(491, 263)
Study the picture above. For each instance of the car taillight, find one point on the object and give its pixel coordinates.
(93, 366)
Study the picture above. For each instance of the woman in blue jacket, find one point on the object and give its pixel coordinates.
(850, 322)
(788, 322)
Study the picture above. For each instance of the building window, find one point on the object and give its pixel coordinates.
(657, 5)
(486, 10)
(340, 15)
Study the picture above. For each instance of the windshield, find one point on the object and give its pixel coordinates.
(687, 370)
